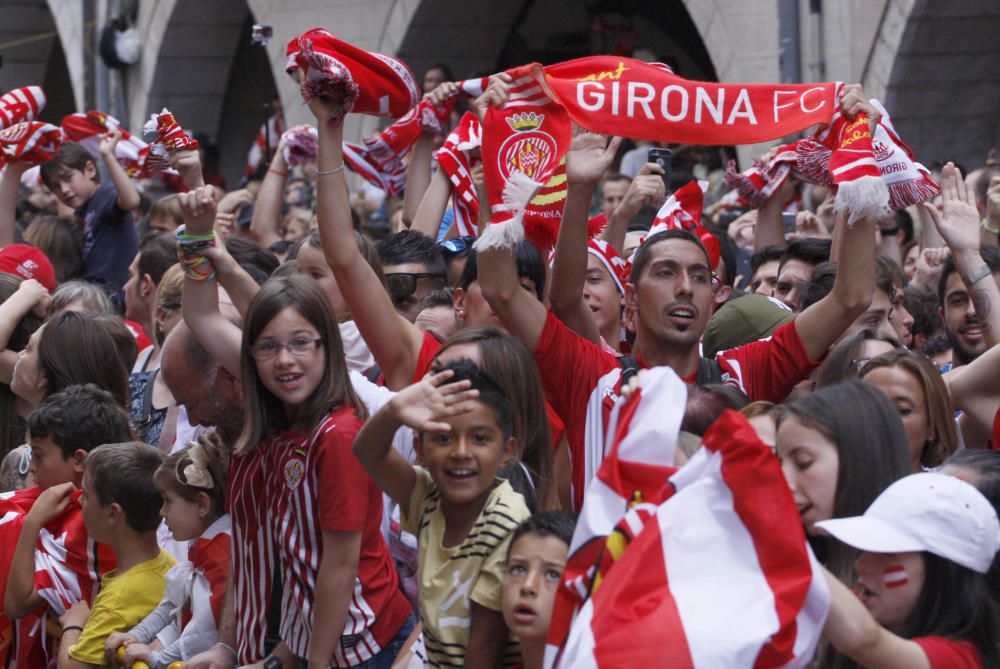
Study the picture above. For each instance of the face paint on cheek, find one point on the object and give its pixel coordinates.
(895, 576)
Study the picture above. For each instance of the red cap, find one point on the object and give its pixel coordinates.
(28, 262)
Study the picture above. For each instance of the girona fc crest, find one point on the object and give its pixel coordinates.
(294, 470)
(529, 152)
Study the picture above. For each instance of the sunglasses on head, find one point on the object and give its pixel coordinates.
(456, 245)
(402, 284)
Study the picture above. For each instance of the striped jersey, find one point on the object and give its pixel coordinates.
(453, 577)
(283, 495)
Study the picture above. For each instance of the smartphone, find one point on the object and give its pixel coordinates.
(663, 158)
(788, 218)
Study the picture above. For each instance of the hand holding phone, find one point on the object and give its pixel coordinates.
(663, 158)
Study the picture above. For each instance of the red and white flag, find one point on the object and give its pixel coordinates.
(720, 576)
(628, 482)
(21, 105)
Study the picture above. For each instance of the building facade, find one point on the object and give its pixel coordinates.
(932, 62)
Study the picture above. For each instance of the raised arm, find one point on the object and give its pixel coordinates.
(200, 296)
(770, 229)
(586, 161)
(30, 296)
(265, 225)
(646, 188)
(975, 391)
(418, 178)
(821, 325)
(9, 186)
(394, 342)
(958, 223)
(432, 205)
(128, 194)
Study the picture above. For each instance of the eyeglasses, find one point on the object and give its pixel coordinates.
(299, 347)
(456, 245)
(402, 284)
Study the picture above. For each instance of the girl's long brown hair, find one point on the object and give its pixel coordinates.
(265, 413)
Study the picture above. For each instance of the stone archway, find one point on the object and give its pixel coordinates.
(35, 37)
(943, 87)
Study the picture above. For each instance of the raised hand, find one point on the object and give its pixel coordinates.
(853, 101)
(422, 405)
(958, 220)
(37, 295)
(496, 94)
(646, 188)
(109, 141)
(198, 207)
(589, 157)
(807, 224)
(442, 93)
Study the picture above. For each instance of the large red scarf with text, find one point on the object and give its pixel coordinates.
(622, 96)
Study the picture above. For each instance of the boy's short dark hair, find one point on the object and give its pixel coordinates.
(811, 251)
(766, 254)
(71, 156)
(122, 474)
(157, 254)
(644, 252)
(255, 260)
(558, 524)
(490, 392)
(80, 418)
(410, 246)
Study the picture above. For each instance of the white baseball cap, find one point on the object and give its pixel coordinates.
(929, 512)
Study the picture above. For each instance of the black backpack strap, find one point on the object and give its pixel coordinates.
(709, 371)
(373, 373)
(630, 367)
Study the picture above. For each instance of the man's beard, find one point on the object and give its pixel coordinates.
(964, 355)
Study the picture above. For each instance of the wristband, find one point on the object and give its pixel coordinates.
(977, 275)
(229, 648)
(278, 172)
(70, 628)
(985, 225)
(323, 173)
(196, 267)
(890, 231)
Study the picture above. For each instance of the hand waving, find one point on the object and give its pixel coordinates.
(958, 220)
(589, 157)
(423, 405)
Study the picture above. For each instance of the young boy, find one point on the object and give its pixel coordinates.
(461, 513)
(121, 509)
(535, 563)
(110, 238)
(62, 431)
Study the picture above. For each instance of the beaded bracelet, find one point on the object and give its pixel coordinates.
(196, 267)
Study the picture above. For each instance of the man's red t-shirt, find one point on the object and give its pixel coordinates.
(582, 383)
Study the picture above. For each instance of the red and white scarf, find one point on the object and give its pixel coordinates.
(301, 145)
(841, 155)
(524, 143)
(682, 211)
(88, 128)
(21, 105)
(30, 142)
(456, 159)
(363, 82)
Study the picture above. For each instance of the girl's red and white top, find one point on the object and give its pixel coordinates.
(283, 495)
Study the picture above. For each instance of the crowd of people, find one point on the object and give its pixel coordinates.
(312, 422)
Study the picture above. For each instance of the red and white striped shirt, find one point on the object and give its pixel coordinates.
(310, 482)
